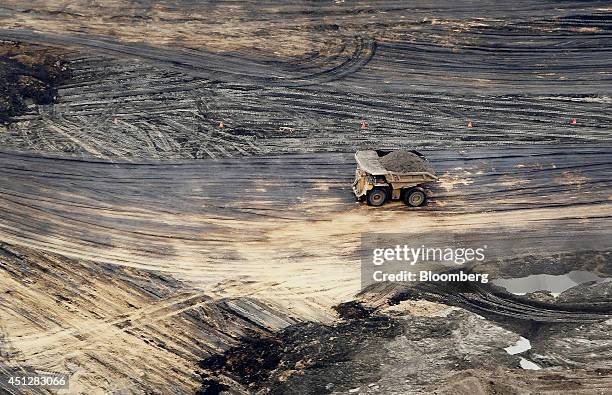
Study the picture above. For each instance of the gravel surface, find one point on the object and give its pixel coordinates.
(287, 78)
(404, 162)
(139, 236)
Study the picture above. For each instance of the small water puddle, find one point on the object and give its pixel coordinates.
(522, 345)
(555, 284)
(528, 365)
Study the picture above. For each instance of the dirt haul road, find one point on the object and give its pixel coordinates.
(155, 81)
(278, 241)
(140, 238)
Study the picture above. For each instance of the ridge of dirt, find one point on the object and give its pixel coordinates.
(312, 358)
(28, 75)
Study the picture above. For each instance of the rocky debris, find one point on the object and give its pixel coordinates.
(27, 75)
(597, 262)
(353, 310)
(457, 352)
(403, 161)
(251, 361)
(541, 296)
(592, 292)
(493, 303)
(520, 313)
(211, 387)
(587, 347)
(515, 381)
(298, 358)
(376, 353)
(416, 308)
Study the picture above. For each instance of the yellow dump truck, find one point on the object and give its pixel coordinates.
(384, 175)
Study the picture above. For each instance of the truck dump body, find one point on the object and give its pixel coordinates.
(369, 161)
(380, 163)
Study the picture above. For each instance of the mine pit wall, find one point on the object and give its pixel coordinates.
(103, 329)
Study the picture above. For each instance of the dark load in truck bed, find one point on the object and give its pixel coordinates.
(403, 161)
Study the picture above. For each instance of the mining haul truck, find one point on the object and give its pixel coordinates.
(383, 175)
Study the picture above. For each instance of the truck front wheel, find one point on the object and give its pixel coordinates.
(377, 197)
(415, 197)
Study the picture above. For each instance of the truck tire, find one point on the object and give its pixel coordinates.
(377, 197)
(415, 197)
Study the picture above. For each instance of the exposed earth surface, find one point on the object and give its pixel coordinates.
(176, 213)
